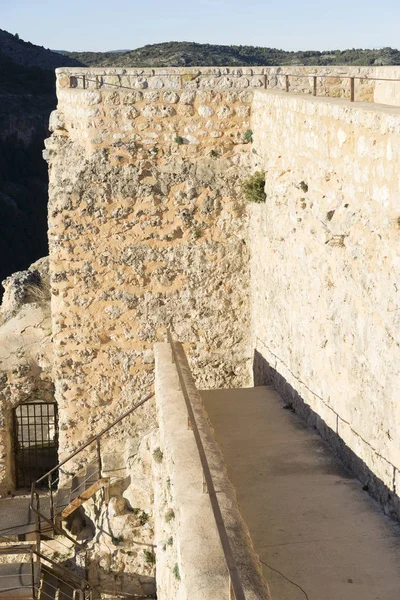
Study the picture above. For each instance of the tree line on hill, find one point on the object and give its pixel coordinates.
(190, 54)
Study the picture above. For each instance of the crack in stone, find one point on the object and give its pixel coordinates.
(287, 578)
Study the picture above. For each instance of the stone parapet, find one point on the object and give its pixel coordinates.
(372, 84)
(190, 560)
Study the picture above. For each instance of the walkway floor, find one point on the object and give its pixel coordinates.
(318, 534)
(16, 517)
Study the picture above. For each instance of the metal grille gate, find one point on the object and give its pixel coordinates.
(36, 441)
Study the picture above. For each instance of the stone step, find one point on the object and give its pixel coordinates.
(81, 488)
(85, 495)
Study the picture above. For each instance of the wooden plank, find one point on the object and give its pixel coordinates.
(77, 502)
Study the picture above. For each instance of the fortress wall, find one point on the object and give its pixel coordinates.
(146, 230)
(388, 92)
(332, 81)
(325, 272)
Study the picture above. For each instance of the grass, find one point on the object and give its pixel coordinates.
(149, 557)
(179, 140)
(143, 518)
(38, 292)
(248, 136)
(176, 573)
(253, 188)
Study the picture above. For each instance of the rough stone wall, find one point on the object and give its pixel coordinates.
(325, 266)
(146, 230)
(147, 224)
(26, 357)
(121, 552)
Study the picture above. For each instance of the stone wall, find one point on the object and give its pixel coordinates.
(332, 81)
(325, 271)
(190, 559)
(388, 92)
(146, 230)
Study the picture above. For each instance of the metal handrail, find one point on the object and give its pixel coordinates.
(338, 75)
(68, 577)
(235, 584)
(96, 437)
(34, 494)
(196, 74)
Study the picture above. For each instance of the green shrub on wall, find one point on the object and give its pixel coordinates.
(253, 187)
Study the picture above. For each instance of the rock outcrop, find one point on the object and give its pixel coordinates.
(26, 355)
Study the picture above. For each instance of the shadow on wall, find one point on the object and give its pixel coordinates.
(264, 374)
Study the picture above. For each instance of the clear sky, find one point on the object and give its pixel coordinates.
(118, 24)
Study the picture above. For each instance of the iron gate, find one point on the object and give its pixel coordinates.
(36, 441)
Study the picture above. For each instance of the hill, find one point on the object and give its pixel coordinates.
(29, 55)
(190, 54)
(27, 96)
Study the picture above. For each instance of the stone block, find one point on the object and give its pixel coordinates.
(205, 111)
(171, 97)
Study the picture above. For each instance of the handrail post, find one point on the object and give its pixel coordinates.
(49, 481)
(97, 82)
(231, 592)
(265, 81)
(352, 80)
(84, 81)
(286, 83)
(98, 455)
(33, 577)
(37, 526)
(314, 85)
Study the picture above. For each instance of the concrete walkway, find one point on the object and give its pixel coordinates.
(318, 534)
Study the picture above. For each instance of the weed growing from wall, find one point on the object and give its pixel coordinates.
(176, 573)
(143, 518)
(248, 136)
(149, 557)
(254, 186)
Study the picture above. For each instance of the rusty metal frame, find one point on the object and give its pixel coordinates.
(32, 431)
